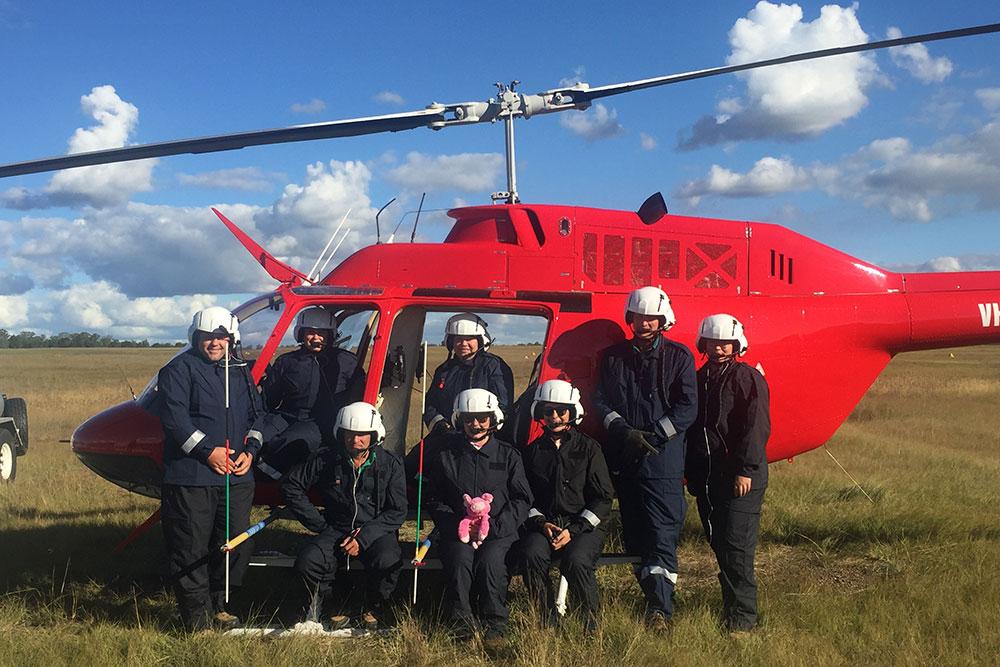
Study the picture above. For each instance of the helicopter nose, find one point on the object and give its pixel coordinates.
(124, 445)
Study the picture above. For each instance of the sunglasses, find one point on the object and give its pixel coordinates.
(555, 410)
(471, 418)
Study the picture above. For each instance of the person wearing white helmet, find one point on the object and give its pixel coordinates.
(363, 494)
(304, 390)
(646, 397)
(572, 488)
(469, 366)
(474, 462)
(727, 462)
(190, 402)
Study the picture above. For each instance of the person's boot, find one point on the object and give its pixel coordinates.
(223, 621)
(340, 622)
(657, 621)
(495, 642)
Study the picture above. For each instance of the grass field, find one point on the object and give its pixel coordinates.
(908, 579)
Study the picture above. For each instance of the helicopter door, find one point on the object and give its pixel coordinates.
(396, 389)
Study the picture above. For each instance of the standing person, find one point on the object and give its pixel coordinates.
(572, 488)
(727, 462)
(647, 398)
(469, 366)
(364, 501)
(473, 462)
(304, 390)
(191, 405)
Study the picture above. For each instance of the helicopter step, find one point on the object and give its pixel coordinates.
(283, 560)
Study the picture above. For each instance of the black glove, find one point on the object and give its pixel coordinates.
(636, 443)
(441, 427)
(536, 523)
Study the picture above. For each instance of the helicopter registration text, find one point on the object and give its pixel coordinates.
(990, 314)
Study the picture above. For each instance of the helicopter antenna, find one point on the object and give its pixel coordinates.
(413, 234)
(335, 249)
(327, 247)
(378, 233)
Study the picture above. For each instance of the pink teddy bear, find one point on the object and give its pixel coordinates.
(476, 523)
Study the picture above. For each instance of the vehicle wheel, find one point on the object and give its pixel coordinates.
(17, 409)
(8, 456)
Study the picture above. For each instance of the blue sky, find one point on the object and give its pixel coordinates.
(892, 157)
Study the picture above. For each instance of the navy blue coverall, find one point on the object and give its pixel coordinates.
(729, 439)
(572, 489)
(303, 392)
(190, 403)
(483, 371)
(458, 468)
(370, 501)
(654, 391)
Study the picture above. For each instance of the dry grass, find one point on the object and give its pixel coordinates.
(909, 579)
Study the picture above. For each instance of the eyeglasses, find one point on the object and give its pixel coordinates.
(472, 417)
(555, 409)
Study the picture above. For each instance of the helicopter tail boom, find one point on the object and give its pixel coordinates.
(952, 309)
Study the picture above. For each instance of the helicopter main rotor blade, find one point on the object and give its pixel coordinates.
(227, 142)
(589, 94)
(437, 116)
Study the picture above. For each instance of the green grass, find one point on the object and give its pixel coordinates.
(910, 579)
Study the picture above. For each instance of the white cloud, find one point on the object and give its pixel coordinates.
(970, 262)
(576, 77)
(313, 106)
(13, 311)
(769, 176)
(596, 123)
(647, 142)
(389, 97)
(794, 100)
(958, 172)
(916, 59)
(100, 185)
(248, 179)
(465, 172)
(989, 98)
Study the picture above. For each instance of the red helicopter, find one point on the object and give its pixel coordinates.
(805, 305)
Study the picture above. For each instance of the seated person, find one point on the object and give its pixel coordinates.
(303, 391)
(572, 488)
(364, 500)
(473, 462)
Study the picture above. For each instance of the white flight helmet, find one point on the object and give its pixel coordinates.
(650, 301)
(467, 324)
(561, 392)
(361, 417)
(213, 318)
(722, 327)
(476, 401)
(316, 318)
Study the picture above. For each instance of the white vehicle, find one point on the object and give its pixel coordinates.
(13, 435)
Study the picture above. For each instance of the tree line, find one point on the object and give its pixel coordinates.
(30, 339)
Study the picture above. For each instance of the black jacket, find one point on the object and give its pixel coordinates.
(571, 484)
(459, 468)
(303, 385)
(652, 390)
(372, 499)
(484, 371)
(730, 435)
(191, 404)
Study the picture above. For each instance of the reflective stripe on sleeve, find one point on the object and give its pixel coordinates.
(255, 435)
(435, 420)
(610, 418)
(533, 512)
(268, 470)
(668, 427)
(192, 442)
(590, 517)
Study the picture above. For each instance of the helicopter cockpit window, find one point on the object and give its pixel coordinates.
(518, 341)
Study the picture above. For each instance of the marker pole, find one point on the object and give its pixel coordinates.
(417, 556)
(226, 366)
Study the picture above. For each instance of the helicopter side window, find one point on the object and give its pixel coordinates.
(518, 341)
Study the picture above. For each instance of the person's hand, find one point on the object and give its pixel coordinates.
(561, 539)
(219, 462)
(550, 530)
(350, 546)
(242, 463)
(637, 443)
(441, 427)
(741, 487)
